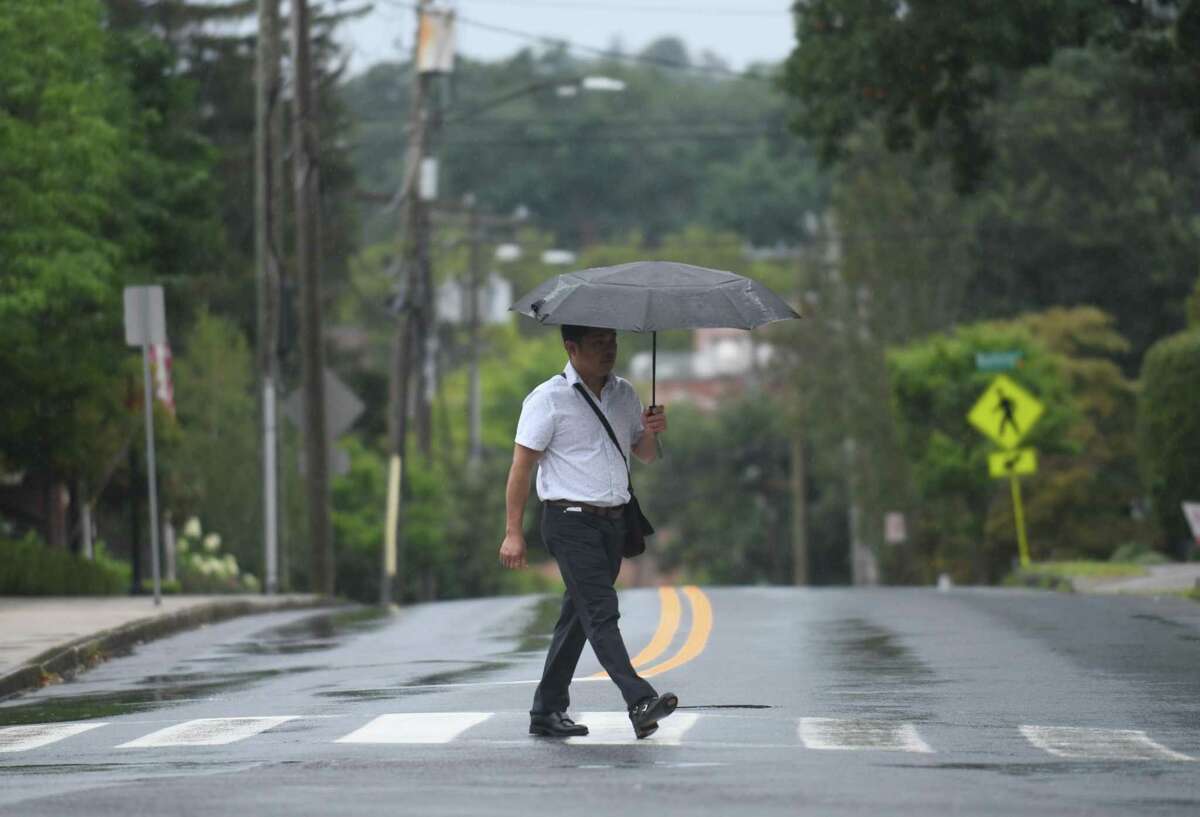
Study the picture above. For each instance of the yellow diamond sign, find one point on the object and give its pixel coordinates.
(1017, 461)
(1005, 412)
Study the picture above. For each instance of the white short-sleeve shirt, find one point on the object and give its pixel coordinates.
(580, 462)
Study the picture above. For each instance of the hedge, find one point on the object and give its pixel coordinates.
(29, 568)
(1169, 430)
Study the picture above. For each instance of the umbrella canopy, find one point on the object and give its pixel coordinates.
(646, 296)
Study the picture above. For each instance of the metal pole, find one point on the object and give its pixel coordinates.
(799, 487)
(1019, 513)
(270, 491)
(267, 138)
(151, 467)
(474, 398)
(389, 533)
(653, 369)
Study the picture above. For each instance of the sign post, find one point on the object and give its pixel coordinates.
(146, 326)
(1191, 510)
(1005, 412)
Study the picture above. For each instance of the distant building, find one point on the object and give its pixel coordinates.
(721, 364)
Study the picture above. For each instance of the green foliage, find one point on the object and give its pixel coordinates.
(210, 459)
(1091, 199)
(1077, 504)
(1168, 432)
(29, 568)
(202, 567)
(719, 499)
(673, 149)
(926, 68)
(60, 167)
(1137, 553)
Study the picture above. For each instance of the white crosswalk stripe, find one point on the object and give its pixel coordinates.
(207, 732)
(24, 738)
(416, 727)
(1076, 743)
(605, 728)
(615, 728)
(849, 734)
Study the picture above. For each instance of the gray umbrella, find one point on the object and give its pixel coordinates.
(646, 296)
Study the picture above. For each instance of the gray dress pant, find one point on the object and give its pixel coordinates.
(587, 548)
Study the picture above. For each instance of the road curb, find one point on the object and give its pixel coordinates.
(66, 660)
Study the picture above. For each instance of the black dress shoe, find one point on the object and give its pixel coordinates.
(646, 713)
(555, 725)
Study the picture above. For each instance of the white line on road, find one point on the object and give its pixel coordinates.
(23, 738)
(208, 732)
(1077, 743)
(416, 727)
(862, 735)
(615, 728)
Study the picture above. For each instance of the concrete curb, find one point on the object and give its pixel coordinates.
(66, 660)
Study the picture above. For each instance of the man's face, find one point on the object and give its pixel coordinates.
(596, 354)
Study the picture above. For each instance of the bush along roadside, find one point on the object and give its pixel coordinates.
(29, 568)
(204, 568)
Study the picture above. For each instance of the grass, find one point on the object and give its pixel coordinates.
(1086, 569)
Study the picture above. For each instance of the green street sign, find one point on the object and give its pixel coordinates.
(997, 361)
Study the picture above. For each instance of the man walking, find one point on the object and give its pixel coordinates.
(583, 482)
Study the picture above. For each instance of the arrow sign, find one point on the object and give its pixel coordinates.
(1007, 463)
(1005, 412)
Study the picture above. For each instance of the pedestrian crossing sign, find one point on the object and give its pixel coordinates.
(1015, 462)
(1005, 412)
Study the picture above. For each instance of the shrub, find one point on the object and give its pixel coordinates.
(1168, 430)
(29, 568)
(202, 567)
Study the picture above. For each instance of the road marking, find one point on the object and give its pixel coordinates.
(1077, 743)
(861, 735)
(614, 728)
(416, 727)
(669, 615)
(697, 640)
(208, 732)
(24, 738)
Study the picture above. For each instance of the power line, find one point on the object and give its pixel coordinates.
(588, 49)
(726, 11)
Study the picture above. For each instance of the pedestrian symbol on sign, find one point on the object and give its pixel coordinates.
(1005, 412)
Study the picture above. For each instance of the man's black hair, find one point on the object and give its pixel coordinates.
(571, 332)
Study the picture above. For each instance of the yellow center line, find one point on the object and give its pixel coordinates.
(697, 640)
(670, 612)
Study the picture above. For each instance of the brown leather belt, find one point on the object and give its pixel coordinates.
(611, 512)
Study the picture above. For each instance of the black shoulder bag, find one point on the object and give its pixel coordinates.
(637, 526)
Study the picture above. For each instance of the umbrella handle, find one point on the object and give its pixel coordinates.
(653, 368)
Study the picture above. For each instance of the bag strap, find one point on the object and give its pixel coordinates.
(604, 420)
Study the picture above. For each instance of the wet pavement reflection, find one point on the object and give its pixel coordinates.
(227, 667)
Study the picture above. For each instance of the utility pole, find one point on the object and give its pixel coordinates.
(474, 398)
(412, 344)
(268, 140)
(307, 183)
(799, 489)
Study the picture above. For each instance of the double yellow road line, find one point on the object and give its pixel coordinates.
(669, 616)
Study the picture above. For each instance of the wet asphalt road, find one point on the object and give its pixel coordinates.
(841, 701)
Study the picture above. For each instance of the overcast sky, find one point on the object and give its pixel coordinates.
(739, 31)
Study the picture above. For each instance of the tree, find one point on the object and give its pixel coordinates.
(926, 67)
(61, 168)
(1168, 432)
(205, 466)
(1091, 199)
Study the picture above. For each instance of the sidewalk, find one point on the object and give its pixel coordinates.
(1170, 578)
(46, 638)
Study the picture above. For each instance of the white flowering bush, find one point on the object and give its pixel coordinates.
(203, 568)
